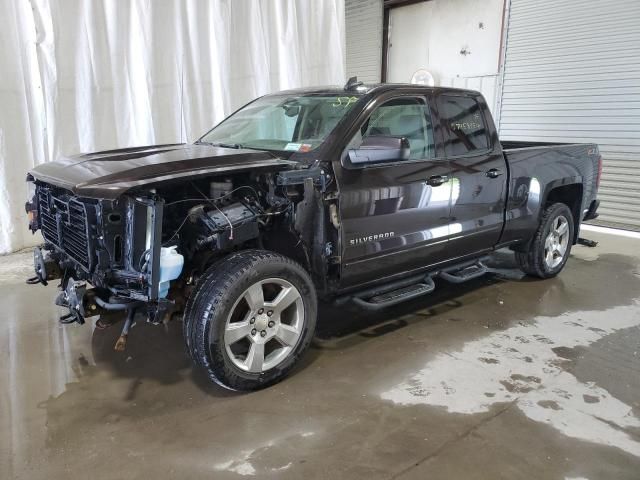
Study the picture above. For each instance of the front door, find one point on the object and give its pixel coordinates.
(394, 215)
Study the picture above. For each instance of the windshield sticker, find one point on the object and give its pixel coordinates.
(298, 147)
(293, 147)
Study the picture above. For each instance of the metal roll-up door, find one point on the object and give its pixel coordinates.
(363, 21)
(572, 74)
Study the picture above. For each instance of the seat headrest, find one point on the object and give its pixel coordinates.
(411, 124)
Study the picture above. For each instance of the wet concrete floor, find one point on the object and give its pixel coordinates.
(502, 378)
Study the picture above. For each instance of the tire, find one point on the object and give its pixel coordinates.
(537, 261)
(250, 318)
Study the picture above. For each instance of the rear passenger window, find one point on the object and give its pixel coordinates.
(464, 128)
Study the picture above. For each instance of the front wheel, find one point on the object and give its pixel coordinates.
(550, 247)
(250, 318)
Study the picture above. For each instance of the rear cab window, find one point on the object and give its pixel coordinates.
(463, 125)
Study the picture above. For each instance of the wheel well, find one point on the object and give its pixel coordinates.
(286, 243)
(571, 196)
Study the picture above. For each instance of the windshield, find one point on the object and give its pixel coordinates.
(282, 122)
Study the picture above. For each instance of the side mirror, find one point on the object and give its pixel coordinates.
(380, 148)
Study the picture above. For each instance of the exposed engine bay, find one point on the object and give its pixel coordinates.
(124, 253)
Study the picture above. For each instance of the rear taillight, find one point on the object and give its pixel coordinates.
(599, 171)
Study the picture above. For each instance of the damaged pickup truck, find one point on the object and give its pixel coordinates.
(360, 194)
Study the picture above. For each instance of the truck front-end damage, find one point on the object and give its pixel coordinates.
(145, 249)
(106, 253)
(242, 225)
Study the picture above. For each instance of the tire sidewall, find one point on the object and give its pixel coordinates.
(559, 209)
(217, 356)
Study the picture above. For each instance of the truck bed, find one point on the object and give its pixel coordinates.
(515, 144)
(535, 168)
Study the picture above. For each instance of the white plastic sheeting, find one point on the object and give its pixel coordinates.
(84, 75)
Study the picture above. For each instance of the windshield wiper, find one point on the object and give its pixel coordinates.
(223, 145)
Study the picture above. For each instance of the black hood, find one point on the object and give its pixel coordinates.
(110, 173)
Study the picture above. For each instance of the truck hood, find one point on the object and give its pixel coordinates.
(110, 173)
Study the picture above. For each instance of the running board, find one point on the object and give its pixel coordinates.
(464, 274)
(393, 297)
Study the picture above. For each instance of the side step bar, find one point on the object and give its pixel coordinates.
(383, 296)
(464, 274)
(393, 297)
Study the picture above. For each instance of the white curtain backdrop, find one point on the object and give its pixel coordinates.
(83, 75)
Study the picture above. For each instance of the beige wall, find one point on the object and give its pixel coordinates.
(431, 35)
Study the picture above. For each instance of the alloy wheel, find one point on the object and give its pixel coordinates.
(556, 243)
(264, 325)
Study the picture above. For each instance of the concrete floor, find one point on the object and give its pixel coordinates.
(506, 377)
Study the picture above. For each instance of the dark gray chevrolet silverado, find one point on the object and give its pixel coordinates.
(360, 194)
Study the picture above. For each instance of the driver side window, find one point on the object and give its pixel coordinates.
(402, 117)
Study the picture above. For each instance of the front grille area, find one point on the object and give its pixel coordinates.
(66, 222)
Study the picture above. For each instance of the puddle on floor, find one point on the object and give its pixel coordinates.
(524, 365)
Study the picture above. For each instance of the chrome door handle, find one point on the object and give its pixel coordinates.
(437, 180)
(493, 173)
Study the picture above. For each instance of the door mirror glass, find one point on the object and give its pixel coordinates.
(380, 148)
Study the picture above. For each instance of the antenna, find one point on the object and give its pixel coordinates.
(352, 84)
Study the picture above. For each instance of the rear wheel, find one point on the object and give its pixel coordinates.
(250, 318)
(550, 248)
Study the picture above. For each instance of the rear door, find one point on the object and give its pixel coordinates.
(478, 173)
(394, 215)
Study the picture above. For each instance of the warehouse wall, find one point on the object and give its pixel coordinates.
(363, 32)
(450, 38)
(458, 41)
(79, 75)
(572, 74)
(429, 35)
